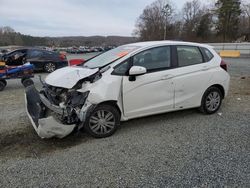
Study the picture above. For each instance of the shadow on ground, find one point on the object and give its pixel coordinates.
(25, 143)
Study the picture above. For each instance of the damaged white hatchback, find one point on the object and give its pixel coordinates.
(127, 82)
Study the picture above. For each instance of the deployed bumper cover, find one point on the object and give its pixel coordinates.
(46, 126)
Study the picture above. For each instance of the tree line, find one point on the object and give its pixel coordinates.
(223, 21)
(8, 36)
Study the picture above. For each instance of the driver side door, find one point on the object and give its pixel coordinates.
(152, 92)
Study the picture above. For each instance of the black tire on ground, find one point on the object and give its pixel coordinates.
(3, 84)
(103, 121)
(27, 82)
(49, 67)
(211, 100)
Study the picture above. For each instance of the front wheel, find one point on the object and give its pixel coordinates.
(211, 100)
(103, 121)
(27, 82)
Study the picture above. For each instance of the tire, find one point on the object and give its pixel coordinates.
(27, 82)
(3, 84)
(211, 100)
(49, 67)
(96, 123)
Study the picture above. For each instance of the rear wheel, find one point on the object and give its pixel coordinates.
(211, 100)
(27, 82)
(103, 121)
(50, 67)
(3, 84)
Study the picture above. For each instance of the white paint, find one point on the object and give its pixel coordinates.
(137, 70)
(67, 77)
(151, 93)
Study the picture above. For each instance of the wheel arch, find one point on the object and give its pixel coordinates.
(220, 87)
(111, 103)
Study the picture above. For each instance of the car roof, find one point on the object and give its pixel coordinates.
(167, 42)
(38, 49)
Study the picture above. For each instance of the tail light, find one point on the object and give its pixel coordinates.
(223, 65)
(62, 57)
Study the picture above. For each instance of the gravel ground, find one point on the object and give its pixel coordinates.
(180, 149)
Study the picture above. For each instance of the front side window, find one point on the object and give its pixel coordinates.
(17, 52)
(189, 55)
(154, 59)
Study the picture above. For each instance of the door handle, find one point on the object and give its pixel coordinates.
(204, 68)
(167, 77)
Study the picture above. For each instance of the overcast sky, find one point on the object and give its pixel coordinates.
(73, 17)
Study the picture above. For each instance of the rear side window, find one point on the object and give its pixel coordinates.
(34, 54)
(154, 59)
(49, 54)
(189, 55)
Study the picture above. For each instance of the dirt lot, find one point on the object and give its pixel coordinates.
(176, 149)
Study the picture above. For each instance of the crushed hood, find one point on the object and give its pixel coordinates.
(67, 77)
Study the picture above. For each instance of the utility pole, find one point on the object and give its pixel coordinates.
(167, 11)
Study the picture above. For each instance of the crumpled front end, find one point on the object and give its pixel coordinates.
(55, 112)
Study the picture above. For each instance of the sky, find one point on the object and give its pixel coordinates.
(73, 17)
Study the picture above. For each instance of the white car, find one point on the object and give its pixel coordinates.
(130, 81)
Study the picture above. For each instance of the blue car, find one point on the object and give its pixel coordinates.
(23, 72)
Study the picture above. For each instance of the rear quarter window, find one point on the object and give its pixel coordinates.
(207, 53)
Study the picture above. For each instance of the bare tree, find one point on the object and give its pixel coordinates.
(191, 10)
(244, 31)
(155, 23)
(6, 29)
(246, 12)
(192, 14)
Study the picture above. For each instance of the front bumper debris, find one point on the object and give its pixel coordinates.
(45, 124)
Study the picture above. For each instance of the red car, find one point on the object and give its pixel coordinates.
(73, 62)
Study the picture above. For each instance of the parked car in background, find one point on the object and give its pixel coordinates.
(2, 52)
(74, 50)
(74, 62)
(47, 61)
(130, 81)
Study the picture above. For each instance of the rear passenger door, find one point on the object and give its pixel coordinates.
(35, 57)
(50, 56)
(191, 77)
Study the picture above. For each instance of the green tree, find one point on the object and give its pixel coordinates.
(204, 28)
(229, 12)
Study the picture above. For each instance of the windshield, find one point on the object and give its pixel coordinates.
(109, 56)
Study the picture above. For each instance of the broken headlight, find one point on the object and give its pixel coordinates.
(75, 98)
(72, 102)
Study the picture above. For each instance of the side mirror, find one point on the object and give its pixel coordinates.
(137, 71)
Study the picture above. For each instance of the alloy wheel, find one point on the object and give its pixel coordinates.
(50, 67)
(213, 101)
(102, 122)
